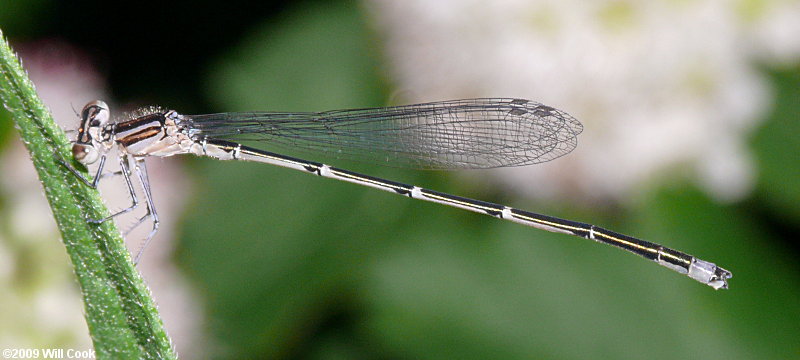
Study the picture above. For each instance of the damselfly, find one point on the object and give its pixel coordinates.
(458, 134)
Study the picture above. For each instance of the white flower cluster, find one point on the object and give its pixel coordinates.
(662, 87)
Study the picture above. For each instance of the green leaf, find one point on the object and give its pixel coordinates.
(121, 315)
(775, 144)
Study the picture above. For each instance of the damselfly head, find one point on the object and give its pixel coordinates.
(94, 117)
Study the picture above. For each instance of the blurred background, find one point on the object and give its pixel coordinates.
(691, 112)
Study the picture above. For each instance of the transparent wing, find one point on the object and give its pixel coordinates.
(457, 134)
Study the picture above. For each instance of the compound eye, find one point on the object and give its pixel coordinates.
(95, 113)
(84, 154)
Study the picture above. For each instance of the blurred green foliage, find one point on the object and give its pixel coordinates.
(777, 145)
(314, 58)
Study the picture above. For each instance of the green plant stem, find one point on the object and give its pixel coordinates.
(122, 318)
